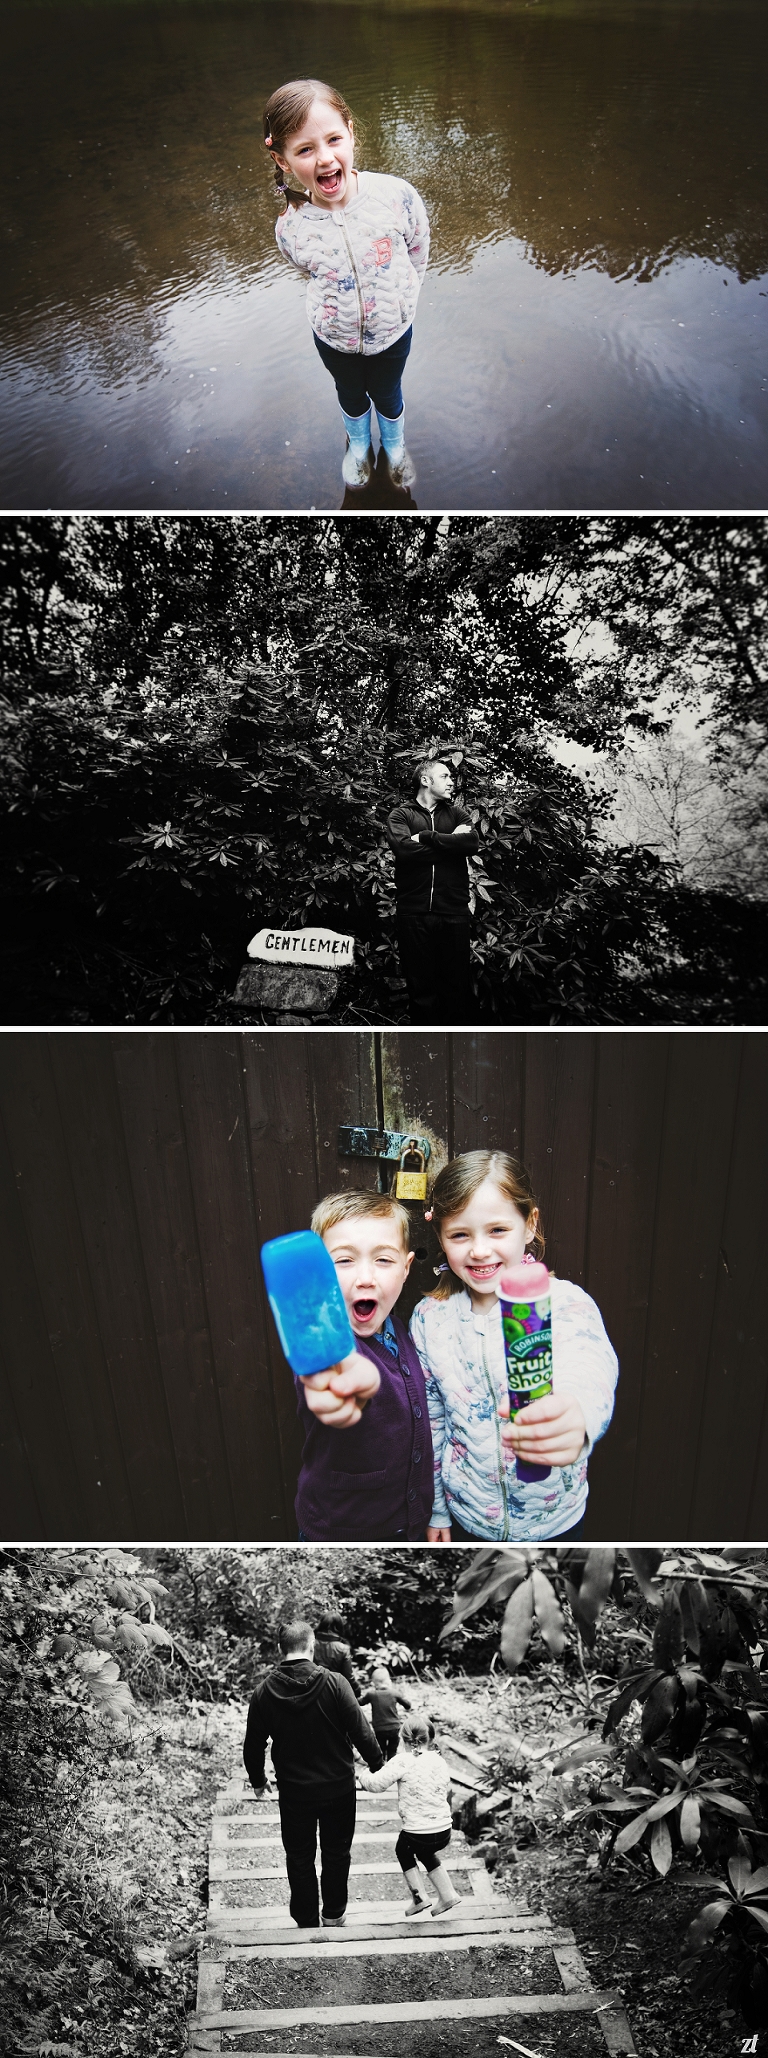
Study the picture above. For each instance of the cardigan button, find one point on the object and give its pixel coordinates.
(417, 1413)
(417, 1457)
(412, 1493)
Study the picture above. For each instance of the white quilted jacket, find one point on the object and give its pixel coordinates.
(463, 1359)
(364, 263)
(422, 1779)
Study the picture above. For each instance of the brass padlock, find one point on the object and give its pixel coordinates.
(411, 1186)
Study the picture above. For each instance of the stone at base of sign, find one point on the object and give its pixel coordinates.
(286, 989)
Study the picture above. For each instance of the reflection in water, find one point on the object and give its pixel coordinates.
(591, 328)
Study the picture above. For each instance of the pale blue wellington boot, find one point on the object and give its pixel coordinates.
(401, 470)
(357, 462)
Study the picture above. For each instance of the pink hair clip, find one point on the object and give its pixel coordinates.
(428, 1212)
(267, 142)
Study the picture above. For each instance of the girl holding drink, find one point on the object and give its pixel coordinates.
(498, 1479)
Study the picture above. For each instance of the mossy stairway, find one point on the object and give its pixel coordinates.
(489, 1976)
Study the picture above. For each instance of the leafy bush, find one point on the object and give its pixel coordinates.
(63, 1616)
(225, 1606)
(700, 1675)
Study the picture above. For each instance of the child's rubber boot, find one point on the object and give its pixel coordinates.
(392, 432)
(420, 1903)
(449, 1899)
(333, 1921)
(357, 463)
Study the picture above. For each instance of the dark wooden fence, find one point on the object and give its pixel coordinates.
(144, 1394)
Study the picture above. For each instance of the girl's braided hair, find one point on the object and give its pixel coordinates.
(460, 1179)
(286, 112)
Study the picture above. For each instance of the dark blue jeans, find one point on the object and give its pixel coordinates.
(362, 379)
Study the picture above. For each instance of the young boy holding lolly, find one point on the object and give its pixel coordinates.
(361, 239)
(486, 1220)
(374, 1484)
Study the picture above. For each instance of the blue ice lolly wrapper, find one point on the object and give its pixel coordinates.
(306, 1301)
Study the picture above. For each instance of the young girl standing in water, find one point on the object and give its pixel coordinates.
(362, 241)
(486, 1218)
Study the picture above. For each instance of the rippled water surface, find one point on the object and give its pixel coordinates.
(592, 331)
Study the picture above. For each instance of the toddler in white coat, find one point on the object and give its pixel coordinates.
(423, 1785)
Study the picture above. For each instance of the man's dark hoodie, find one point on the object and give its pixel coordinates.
(313, 1719)
(431, 876)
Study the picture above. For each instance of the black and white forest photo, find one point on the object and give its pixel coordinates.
(539, 1777)
(450, 770)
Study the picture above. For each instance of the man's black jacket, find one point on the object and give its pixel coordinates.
(313, 1719)
(431, 876)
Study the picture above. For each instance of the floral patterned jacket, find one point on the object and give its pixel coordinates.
(463, 1359)
(364, 263)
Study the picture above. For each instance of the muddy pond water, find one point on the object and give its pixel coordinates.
(593, 328)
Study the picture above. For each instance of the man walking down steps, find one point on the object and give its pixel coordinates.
(313, 1719)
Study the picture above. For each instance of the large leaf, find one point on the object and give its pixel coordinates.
(517, 1625)
(702, 1929)
(154, 1633)
(630, 1836)
(645, 1565)
(729, 1805)
(131, 1634)
(594, 1588)
(501, 1577)
(664, 1805)
(586, 1753)
(549, 1614)
(633, 1691)
(758, 1915)
(661, 1847)
(740, 1866)
(690, 1822)
(694, 1607)
(759, 1881)
(668, 1636)
(476, 1570)
(659, 1707)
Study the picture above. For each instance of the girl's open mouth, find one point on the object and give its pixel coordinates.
(363, 1310)
(484, 1271)
(329, 182)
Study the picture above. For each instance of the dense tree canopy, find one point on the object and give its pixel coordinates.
(207, 721)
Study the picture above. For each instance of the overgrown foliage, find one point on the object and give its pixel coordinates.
(226, 1606)
(206, 723)
(698, 1668)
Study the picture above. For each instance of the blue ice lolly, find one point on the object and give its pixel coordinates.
(306, 1301)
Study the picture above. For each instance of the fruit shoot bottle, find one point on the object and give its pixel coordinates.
(307, 1302)
(526, 1321)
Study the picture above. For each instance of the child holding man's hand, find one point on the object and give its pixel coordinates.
(374, 1485)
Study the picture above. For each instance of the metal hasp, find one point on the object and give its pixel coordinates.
(387, 1145)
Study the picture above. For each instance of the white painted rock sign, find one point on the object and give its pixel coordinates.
(323, 949)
